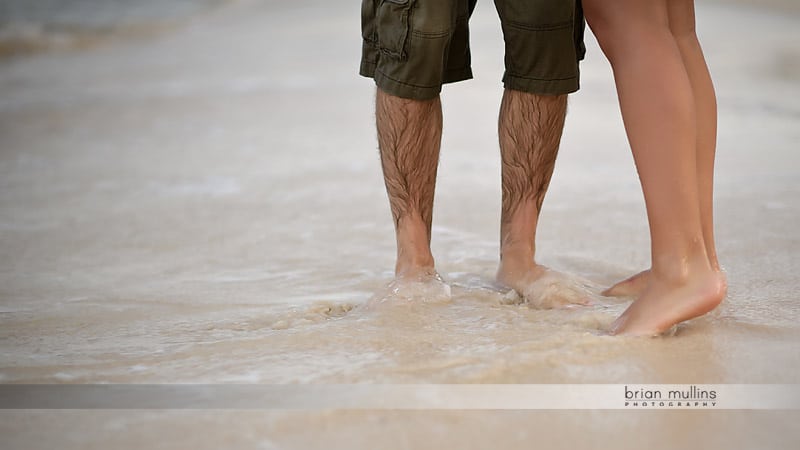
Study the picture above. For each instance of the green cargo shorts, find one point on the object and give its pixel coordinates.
(411, 47)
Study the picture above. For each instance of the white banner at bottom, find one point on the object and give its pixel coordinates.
(401, 396)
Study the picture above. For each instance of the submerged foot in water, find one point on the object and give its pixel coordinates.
(542, 287)
(422, 287)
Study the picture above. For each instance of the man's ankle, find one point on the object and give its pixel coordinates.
(415, 266)
(517, 255)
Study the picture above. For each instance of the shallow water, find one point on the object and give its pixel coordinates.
(220, 217)
(35, 25)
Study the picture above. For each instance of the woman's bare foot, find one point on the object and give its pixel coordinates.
(667, 302)
(633, 286)
(542, 287)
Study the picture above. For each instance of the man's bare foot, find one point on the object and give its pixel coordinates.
(542, 287)
(421, 287)
(665, 303)
(633, 286)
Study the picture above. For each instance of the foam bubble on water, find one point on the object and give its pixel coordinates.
(592, 320)
(554, 289)
(329, 309)
(512, 297)
(63, 376)
(672, 331)
(247, 377)
(316, 313)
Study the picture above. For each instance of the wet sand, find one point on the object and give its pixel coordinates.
(206, 207)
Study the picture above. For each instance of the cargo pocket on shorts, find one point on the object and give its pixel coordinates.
(393, 19)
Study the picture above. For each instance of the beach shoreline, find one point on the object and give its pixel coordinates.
(206, 207)
(24, 34)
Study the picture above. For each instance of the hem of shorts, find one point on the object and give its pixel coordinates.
(541, 86)
(410, 91)
(456, 75)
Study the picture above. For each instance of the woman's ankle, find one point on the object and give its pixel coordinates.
(679, 269)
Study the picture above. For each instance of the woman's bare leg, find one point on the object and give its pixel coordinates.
(681, 19)
(682, 26)
(658, 109)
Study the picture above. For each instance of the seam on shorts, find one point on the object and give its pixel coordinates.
(406, 12)
(540, 79)
(367, 68)
(545, 27)
(369, 52)
(443, 33)
(432, 34)
(403, 83)
(542, 87)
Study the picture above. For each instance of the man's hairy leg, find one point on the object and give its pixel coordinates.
(409, 137)
(530, 128)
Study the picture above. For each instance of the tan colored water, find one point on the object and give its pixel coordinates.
(207, 207)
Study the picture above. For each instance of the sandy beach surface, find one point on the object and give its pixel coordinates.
(204, 204)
